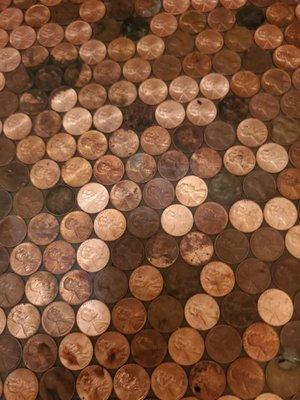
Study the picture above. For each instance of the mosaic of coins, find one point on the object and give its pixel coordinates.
(149, 199)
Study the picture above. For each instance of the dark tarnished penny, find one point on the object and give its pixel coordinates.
(188, 138)
(9, 103)
(232, 246)
(289, 336)
(60, 200)
(259, 186)
(158, 193)
(267, 244)
(28, 202)
(211, 218)
(4, 259)
(233, 109)
(39, 353)
(12, 231)
(165, 314)
(10, 354)
(162, 250)
(143, 222)
(112, 349)
(129, 315)
(225, 188)
(57, 383)
(110, 284)
(294, 154)
(43, 229)
(286, 274)
(5, 203)
(205, 162)
(127, 253)
(182, 280)
(148, 348)
(12, 289)
(253, 276)
(282, 376)
(239, 309)
(223, 343)
(13, 176)
(288, 183)
(173, 165)
(7, 150)
(141, 167)
(219, 135)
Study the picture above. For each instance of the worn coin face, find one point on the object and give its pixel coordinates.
(123, 382)
(40, 353)
(102, 384)
(93, 317)
(75, 351)
(112, 349)
(21, 383)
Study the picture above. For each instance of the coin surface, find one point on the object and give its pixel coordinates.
(102, 383)
(75, 351)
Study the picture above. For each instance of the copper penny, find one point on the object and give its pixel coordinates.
(275, 307)
(108, 71)
(223, 343)
(187, 138)
(201, 311)
(40, 353)
(11, 353)
(102, 383)
(280, 213)
(7, 150)
(261, 342)
(6, 203)
(231, 246)
(276, 81)
(108, 169)
(165, 314)
(110, 285)
(92, 96)
(186, 346)
(214, 86)
(12, 289)
(253, 276)
(93, 317)
(183, 89)
(284, 130)
(246, 216)
(127, 253)
(120, 137)
(226, 62)
(267, 244)
(112, 349)
(191, 191)
(272, 157)
(75, 351)
(58, 319)
(63, 99)
(158, 193)
(109, 224)
(219, 135)
(285, 274)
(41, 288)
(291, 241)
(125, 195)
(217, 278)
(169, 114)
(61, 147)
(4, 259)
(166, 67)
(93, 255)
(58, 381)
(182, 281)
(2, 321)
(252, 132)
(30, 150)
(76, 172)
(21, 383)
(122, 93)
(288, 183)
(282, 377)
(47, 123)
(75, 287)
(288, 103)
(205, 162)
(76, 227)
(129, 315)
(163, 24)
(169, 381)
(92, 145)
(259, 186)
(211, 218)
(141, 167)
(12, 230)
(59, 257)
(233, 108)
(239, 309)
(238, 38)
(196, 248)
(43, 229)
(17, 126)
(294, 154)
(137, 69)
(162, 250)
(23, 320)
(25, 259)
(45, 174)
(146, 283)
(92, 197)
(239, 160)
(60, 200)
(123, 382)
(148, 348)
(108, 118)
(177, 220)
(264, 106)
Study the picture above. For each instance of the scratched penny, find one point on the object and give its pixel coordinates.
(211, 218)
(109, 224)
(125, 195)
(146, 283)
(272, 157)
(112, 349)
(129, 315)
(58, 318)
(93, 317)
(261, 342)
(61, 147)
(191, 191)
(23, 320)
(58, 381)
(246, 216)
(177, 220)
(267, 244)
(75, 287)
(108, 170)
(231, 246)
(239, 160)
(92, 144)
(141, 167)
(239, 309)
(275, 307)
(13, 176)
(102, 383)
(43, 229)
(165, 314)
(12, 230)
(201, 311)
(148, 348)
(155, 140)
(280, 213)
(223, 343)
(173, 386)
(205, 162)
(253, 276)
(252, 132)
(92, 197)
(21, 383)
(76, 227)
(123, 143)
(186, 346)
(288, 183)
(196, 248)
(161, 250)
(217, 278)
(40, 353)
(76, 172)
(123, 382)
(75, 351)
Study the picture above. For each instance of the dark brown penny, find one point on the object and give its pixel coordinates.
(143, 222)
(34, 56)
(288, 183)
(110, 284)
(196, 248)
(232, 246)
(226, 62)
(12, 289)
(259, 186)
(148, 348)
(285, 130)
(162, 250)
(286, 274)
(9, 103)
(289, 337)
(257, 60)
(47, 123)
(61, 16)
(297, 304)
(43, 229)
(239, 309)
(158, 193)
(112, 349)
(28, 202)
(165, 314)
(282, 376)
(10, 354)
(127, 253)
(60, 200)
(182, 281)
(57, 383)
(13, 176)
(33, 101)
(196, 65)
(19, 80)
(233, 109)
(7, 150)
(225, 188)
(5, 203)
(294, 154)
(211, 218)
(253, 276)
(141, 167)
(108, 170)
(166, 67)
(48, 78)
(267, 244)
(107, 72)
(4, 259)
(40, 352)
(207, 380)
(76, 227)
(223, 343)
(138, 116)
(219, 135)
(12, 231)
(173, 165)
(205, 162)
(179, 44)
(129, 315)
(188, 138)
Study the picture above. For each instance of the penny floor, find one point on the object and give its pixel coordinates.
(149, 199)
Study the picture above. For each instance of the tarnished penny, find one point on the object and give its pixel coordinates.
(158, 193)
(217, 278)
(162, 250)
(239, 309)
(143, 222)
(57, 381)
(196, 248)
(186, 346)
(41, 288)
(39, 353)
(109, 224)
(129, 315)
(110, 284)
(76, 227)
(11, 353)
(173, 165)
(21, 383)
(76, 172)
(148, 348)
(101, 379)
(43, 229)
(59, 257)
(23, 320)
(127, 253)
(231, 246)
(165, 314)
(93, 317)
(75, 351)
(201, 311)
(267, 244)
(211, 218)
(28, 202)
(12, 231)
(92, 145)
(205, 162)
(112, 349)
(75, 287)
(169, 381)
(155, 140)
(146, 283)
(12, 289)
(123, 382)
(253, 276)
(25, 259)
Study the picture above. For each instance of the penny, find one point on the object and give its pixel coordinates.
(250, 16)
(253, 276)
(183, 89)
(291, 241)
(25, 259)
(109, 224)
(63, 99)
(147, 8)
(58, 319)
(196, 64)
(209, 41)
(30, 150)
(37, 15)
(196, 248)
(267, 244)
(294, 154)
(129, 315)
(257, 60)
(201, 312)
(75, 351)
(61, 147)
(205, 157)
(246, 216)
(288, 103)
(108, 169)
(232, 246)
(59, 382)
(47, 123)
(182, 281)
(233, 108)
(146, 283)
(107, 71)
(282, 377)
(9, 103)
(239, 160)
(272, 157)
(13, 176)
(239, 309)
(125, 376)
(141, 167)
(11, 353)
(102, 383)
(289, 336)
(223, 343)
(245, 378)
(287, 125)
(169, 114)
(125, 195)
(166, 67)
(268, 36)
(275, 81)
(191, 191)
(264, 106)
(173, 386)
(76, 227)
(261, 342)
(221, 19)
(287, 183)
(23, 320)
(163, 24)
(110, 285)
(41, 288)
(219, 135)
(6, 203)
(60, 200)
(148, 348)
(75, 287)
(43, 229)
(39, 353)
(295, 78)
(120, 137)
(187, 138)
(122, 93)
(92, 96)
(165, 314)
(217, 278)
(158, 193)
(259, 186)
(226, 62)
(92, 145)
(17, 126)
(7, 150)
(211, 218)
(45, 174)
(59, 257)
(143, 222)
(275, 307)
(4, 259)
(12, 231)
(238, 38)
(214, 86)
(21, 383)
(245, 84)
(177, 220)
(138, 116)
(12, 289)
(93, 317)
(127, 253)
(280, 213)
(186, 346)
(161, 250)
(93, 255)
(279, 14)
(201, 111)
(207, 380)
(48, 78)
(76, 172)
(92, 197)
(285, 274)
(112, 349)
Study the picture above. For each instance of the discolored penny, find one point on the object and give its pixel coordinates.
(93, 317)
(11, 353)
(239, 160)
(201, 311)
(12, 230)
(285, 274)
(275, 307)
(219, 135)
(276, 81)
(196, 248)
(294, 154)
(245, 378)
(182, 281)
(45, 174)
(59, 382)
(102, 383)
(223, 343)
(75, 287)
(239, 309)
(58, 319)
(148, 348)
(169, 381)
(225, 188)
(186, 346)
(123, 382)
(217, 278)
(250, 16)
(259, 186)
(173, 165)
(261, 342)
(76, 172)
(47, 123)
(6, 203)
(226, 62)
(161, 250)
(59, 257)
(165, 314)
(284, 130)
(207, 380)
(280, 213)
(288, 183)
(253, 276)
(76, 227)
(75, 351)
(127, 253)
(4, 259)
(21, 383)
(158, 193)
(282, 377)
(7, 150)
(112, 349)
(109, 224)
(267, 244)
(9, 101)
(61, 147)
(141, 167)
(92, 145)
(60, 200)
(231, 246)
(146, 283)
(125, 195)
(23, 320)
(129, 315)
(123, 143)
(13, 176)
(143, 222)
(110, 284)
(12, 289)
(40, 353)
(211, 218)
(108, 170)
(43, 229)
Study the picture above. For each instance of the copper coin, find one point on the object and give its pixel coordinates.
(208, 157)
(161, 250)
(285, 274)
(196, 64)
(233, 108)
(219, 135)
(23, 320)
(226, 62)
(146, 283)
(108, 71)
(108, 169)
(211, 218)
(272, 157)
(264, 106)
(39, 353)
(63, 99)
(60, 200)
(6, 203)
(11, 353)
(239, 160)
(288, 103)
(288, 183)
(267, 244)
(25, 259)
(169, 381)
(296, 304)
(120, 137)
(93, 255)
(259, 186)
(291, 241)
(166, 67)
(163, 24)
(183, 89)
(109, 224)
(221, 19)
(141, 167)
(17, 126)
(13, 176)
(21, 383)
(289, 337)
(239, 309)
(129, 315)
(93, 317)
(245, 378)
(75, 351)
(43, 229)
(108, 118)
(41, 288)
(75, 287)
(9, 103)
(177, 220)
(12, 289)
(246, 215)
(294, 154)
(7, 150)
(191, 191)
(59, 382)
(92, 145)
(92, 96)
(284, 130)
(253, 276)
(92, 197)
(186, 346)
(223, 343)
(196, 248)
(238, 38)
(282, 377)
(148, 348)
(44, 174)
(158, 193)
(275, 307)
(122, 93)
(201, 312)
(12, 230)
(61, 147)
(182, 281)
(102, 383)
(252, 132)
(4, 259)
(261, 342)
(207, 380)
(217, 278)
(112, 349)
(58, 318)
(110, 285)
(187, 138)
(169, 114)
(165, 314)
(76, 227)
(280, 213)
(58, 257)
(231, 246)
(276, 81)
(30, 150)
(123, 382)
(127, 253)
(47, 123)
(76, 172)
(137, 69)
(125, 195)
